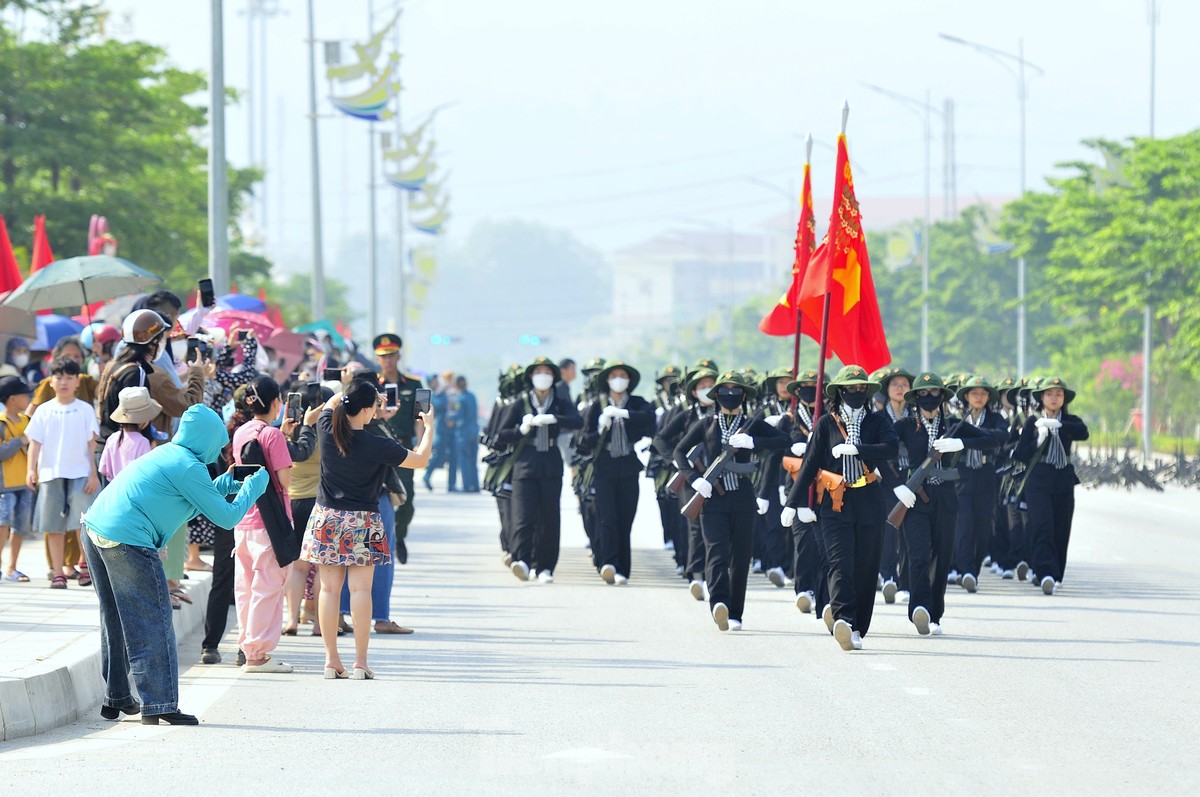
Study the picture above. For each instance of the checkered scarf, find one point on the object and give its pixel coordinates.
(804, 415)
(902, 457)
(542, 438)
(1056, 453)
(932, 428)
(618, 438)
(728, 429)
(974, 455)
(852, 467)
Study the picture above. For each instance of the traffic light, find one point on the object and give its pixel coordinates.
(444, 340)
(532, 340)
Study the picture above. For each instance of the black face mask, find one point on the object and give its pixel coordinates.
(807, 394)
(854, 400)
(929, 403)
(730, 398)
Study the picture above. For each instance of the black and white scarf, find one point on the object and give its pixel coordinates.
(932, 428)
(804, 415)
(729, 425)
(852, 467)
(902, 456)
(541, 439)
(974, 455)
(618, 438)
(1056, 453)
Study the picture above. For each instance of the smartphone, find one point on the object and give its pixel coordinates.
(391, 392)
(293, 406)
(240, 335)
(312, 394)
(423, 397)
(331, 375)
(243, 472)
(207, 297)
(194, 350)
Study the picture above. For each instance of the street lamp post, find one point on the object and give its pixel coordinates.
(318, 265)
(218, 176)
(924, 110)
(1006, 59)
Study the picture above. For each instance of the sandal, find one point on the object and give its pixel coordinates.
(85, 577)
(58, 582)
(175, 602)
(179, 593)
(17, 576)
(289, 631)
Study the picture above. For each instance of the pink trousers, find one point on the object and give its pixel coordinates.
(258, 583)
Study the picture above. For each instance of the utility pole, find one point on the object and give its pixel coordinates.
(318, 265)
(950, 166)
(1148, 311)
(400, 310)
(373, 253)
(218, 177)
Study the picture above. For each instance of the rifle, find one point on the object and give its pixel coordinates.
(917, 480)
(691, 510)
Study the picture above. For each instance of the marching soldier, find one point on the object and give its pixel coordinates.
(668, 394)
(499, 459)
(978, 486)
(809, 573)
(894, 384)
(587, 503)
(775, 539)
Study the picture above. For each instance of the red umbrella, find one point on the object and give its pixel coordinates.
(257, 323)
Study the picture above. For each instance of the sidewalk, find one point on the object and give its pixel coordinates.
(50, 671)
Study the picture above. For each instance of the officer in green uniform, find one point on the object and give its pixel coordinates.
(402, 423)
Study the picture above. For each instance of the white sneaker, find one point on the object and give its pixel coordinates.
(776, 576)
(720, 614)
(608, 573)
(620, 580)
(889, 591)
(902, 596)
(520, 570)
(270, 665)
(969, 582)
(1007, 575)
(878, 581)
(507, 559)
(827, 616)
(679, 570)
(952, 577)
(789, 582)
(545, 577)
(804, 602)
(669, 545)
(1048, 585)
(987, 561)
(935, 629)
(855, 641)
(735, 625)
(1022, 571)
(996, 568)
(844, 634)
(920, 619)
(756, 565)
(697, 590)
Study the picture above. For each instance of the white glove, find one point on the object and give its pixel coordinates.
(659, 412)
(1042, 434)
(741, 440)
(604, 422)
(773, 419)
(782, 495)
(845, 450)
(702, 486)
(947, 445)
(763, 506)
(806, 515)
(544, 420)
(906, 496)
(798, 449)
(526, 424)
(787, 516)
(615, 412)
(1047, 423)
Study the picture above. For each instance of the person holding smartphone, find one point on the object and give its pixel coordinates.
(345, 537)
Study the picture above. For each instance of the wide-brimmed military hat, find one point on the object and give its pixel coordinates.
(705, 362)
(634, 375)
(848, 376)
(953, 381)
(928, 381)
(733, 379)
(972, 382)
(1054, 381)
(553, 366)
(594, 365)
(1008, 387)
(672, 372)
(810, 375)
(695, 377)
(885, 375)
(773, 376)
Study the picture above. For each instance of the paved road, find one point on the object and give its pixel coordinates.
(520, 688)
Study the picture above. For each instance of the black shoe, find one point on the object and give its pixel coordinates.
(174, 718)
(428, 484)
(210, 656)
(241, 659)
(112, 712)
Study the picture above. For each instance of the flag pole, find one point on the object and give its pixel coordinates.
(808, 142)
(825, 310)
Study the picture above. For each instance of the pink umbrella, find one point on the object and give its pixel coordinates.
(257, 323)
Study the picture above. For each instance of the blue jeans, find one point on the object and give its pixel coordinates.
(381, 581)
(136, 631)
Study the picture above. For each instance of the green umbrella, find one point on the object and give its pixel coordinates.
(79, 281)
(324, 325)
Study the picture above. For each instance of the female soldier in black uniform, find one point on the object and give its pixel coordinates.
(894, 384)
(809, 572)
(775, 539)
(978, 486)
(727, 520)
(531, 424)
(612, 423)
(843, 452)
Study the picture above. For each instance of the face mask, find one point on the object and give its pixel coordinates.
(704, 399)
(807, 394)
(854, 400)
(618, 384)
(178, 350)
(20, 360)
(731, 400)
(929, 403)
(542, 381)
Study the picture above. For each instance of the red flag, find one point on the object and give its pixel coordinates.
(782, 318)
(841, 268)
(262, 295)
(10, 273)
(275, 316)
(42, 254)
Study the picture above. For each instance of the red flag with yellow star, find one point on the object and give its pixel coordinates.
(782, 318)
(840, 267)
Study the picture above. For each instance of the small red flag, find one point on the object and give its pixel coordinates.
(10, 272)
(840, 267)
(782, 318)
(42, 254)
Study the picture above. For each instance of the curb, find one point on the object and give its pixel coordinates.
(64, 686)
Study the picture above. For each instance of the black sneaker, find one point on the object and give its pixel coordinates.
(210, 656)
(241, 659)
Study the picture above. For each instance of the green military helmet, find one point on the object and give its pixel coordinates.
(733, 379)
(884, 376)
(1008, 387)
(1053, 381)
(695, 377)
(706, 362)
(805, 377)
(594, 365)
(951, 381)
(553, 366)
(772, 377)
(928, 381)
(972, 382)
(602, 377)
(671, 372)
(849, 375)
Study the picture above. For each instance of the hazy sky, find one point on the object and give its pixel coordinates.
(617, 119)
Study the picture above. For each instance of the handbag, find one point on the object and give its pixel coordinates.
(274, 514)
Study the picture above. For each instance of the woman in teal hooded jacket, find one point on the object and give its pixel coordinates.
(129, 521)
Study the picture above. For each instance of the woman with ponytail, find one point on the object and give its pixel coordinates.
(345, 537)
(259, 579)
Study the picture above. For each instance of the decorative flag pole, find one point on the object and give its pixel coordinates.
(825, 309)
(804, 247)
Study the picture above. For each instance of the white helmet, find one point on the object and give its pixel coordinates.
(142, 327)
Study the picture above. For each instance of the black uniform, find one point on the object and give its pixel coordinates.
(893, 566)
(978, 492)
(727, 520)
(853, 536)
(809, 569)
(674, 426)
(774, 540)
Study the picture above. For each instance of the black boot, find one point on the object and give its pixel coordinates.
(112, 712)
(174, 718)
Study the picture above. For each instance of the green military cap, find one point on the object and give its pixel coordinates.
(928, 381)
(695, 377)
(733, 379)
(705, 362)
(1054, 381)
(1008, 387)
(972, 382)
(546, 361)
(672, 372)
(387, 343)
(885, 375)
(593, 365)
(849, 375)
(634, 375)
(805, 377)
(772, 377)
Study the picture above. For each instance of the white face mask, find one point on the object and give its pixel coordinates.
(704, 399)
(542, 381)
(20, 360)
(618, 384)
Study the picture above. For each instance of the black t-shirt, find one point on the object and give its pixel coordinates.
(353, 482)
